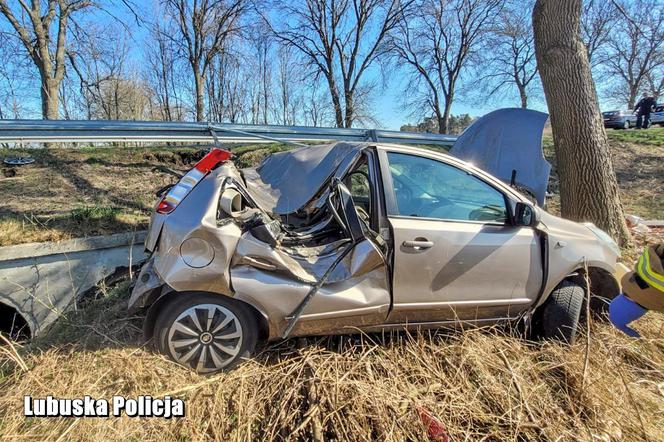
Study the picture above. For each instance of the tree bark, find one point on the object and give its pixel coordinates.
(523, 95)
(50, 98)
(631, 100)
(588, 185)
(444, 124)
(350, 110)
(336, 100)
(200, 100)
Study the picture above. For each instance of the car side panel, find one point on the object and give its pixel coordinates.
(473, 271)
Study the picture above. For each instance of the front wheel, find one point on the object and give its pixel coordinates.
(205, 332)
(558, 318)
(626, 125)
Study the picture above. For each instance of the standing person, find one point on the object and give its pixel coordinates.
(643, 290)
(643, 108)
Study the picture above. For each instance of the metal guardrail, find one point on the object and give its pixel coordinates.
(19, 131)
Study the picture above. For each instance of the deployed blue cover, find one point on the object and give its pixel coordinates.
(505, 140)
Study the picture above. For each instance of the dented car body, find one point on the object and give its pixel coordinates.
(351, 237)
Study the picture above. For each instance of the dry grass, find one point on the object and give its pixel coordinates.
(63, 194)
(481, 384)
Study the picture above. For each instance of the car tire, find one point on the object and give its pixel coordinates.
(205, 332)
(626, 125)
(558, 318)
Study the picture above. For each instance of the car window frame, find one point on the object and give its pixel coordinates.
(378, 208)
(391, 201)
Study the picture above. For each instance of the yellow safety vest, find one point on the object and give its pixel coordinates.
(650, 268)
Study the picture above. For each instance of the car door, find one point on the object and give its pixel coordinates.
(456, 254)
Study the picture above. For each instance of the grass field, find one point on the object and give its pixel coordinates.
(638, 160)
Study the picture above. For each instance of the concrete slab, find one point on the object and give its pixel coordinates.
(43, 280)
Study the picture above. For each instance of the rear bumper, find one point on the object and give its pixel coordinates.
(615, 124)
(147, 285)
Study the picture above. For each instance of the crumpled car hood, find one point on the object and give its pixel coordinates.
(505, 140)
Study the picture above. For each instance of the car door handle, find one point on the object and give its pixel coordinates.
(418, 244)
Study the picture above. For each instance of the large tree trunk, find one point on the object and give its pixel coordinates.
(350, 111)
(336, 101)
(631, 100)
(588, 186)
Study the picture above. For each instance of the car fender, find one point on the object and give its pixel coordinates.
(572, 247)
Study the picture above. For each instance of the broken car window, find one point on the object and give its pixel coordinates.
(431, 189)
(358, 183)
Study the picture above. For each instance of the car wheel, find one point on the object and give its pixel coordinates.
(626, 124)
(558, 318)
(205, 332)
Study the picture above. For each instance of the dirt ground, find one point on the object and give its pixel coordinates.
(638, 160)
(92, 191)
(68, 192)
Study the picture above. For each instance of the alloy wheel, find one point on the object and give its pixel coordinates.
(205, 337)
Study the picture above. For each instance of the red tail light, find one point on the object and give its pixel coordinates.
(209, 161)
(177, 193)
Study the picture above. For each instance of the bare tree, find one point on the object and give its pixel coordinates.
(94, 60)
(162, 69)
(203, 27)
(33, 25)
(316, 112)
(13, 81)
(635, 48)
(288, 84)
(588, 185)
(436, 42)
(510, 53)
(655, 81)
(597, 21)
(339, 40)
(230, 83)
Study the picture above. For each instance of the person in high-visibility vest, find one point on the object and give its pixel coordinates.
(643, 290)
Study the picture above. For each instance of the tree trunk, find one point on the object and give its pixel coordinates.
(588, 185)
(200, 100)
(336, 101)
(523, 95)
(50, 98)
(350, 111)
(444, 122)
(631, 100)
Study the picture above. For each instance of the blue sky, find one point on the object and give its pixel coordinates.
(387, 102)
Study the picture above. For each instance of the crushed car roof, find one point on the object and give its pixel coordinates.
(500, 142)
(285, 181)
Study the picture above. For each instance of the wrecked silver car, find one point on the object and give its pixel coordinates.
(351, 237)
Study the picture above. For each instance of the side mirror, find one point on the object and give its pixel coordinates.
(526, 215)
